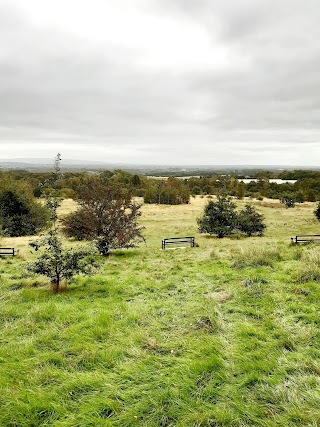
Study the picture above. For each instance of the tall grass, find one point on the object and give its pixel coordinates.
(167, 338)
(256, 255)
(309, 267)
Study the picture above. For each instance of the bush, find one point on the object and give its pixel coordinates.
(196, 190)
(20, 213)
(106, 215)
(288, 201)
(54, 261)
(250, 221)
(218, 218)
(317, 212)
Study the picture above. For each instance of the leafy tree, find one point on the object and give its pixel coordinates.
(219, 217)
(207, 189)
(196, 190)
(250, 222)
(170, 192)
(55, 262)
(311, 196)
(20, 213)
(106, 215)
(240, 189)
(288, 201)
(317, 212)
(299, 197)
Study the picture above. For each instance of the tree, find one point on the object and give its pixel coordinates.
(311, 196)
(299, 197)
(288, 201)
(218, 218)
(170, 192)
(106, 215)
(250, 222)
(55, 262)
(317, 212)
(196, 190)
(20, 214)
(240, 190)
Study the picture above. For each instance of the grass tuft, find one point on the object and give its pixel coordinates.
(309, 268)
(255, 256)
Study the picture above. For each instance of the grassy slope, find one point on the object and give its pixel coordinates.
(188, 337)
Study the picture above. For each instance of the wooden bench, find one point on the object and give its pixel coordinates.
(7, 252)
(182, 241)
(306, 238)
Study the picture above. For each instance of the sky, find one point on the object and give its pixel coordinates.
(189, 82)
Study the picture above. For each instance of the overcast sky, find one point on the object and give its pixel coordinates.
(161, 81)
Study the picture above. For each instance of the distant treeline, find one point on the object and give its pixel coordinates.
(176, 191)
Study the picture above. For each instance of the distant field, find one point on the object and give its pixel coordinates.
(223, 334)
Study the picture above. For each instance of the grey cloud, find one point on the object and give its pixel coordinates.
(54, 85)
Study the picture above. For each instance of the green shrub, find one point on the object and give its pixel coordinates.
(250, 221)
(317, 212)
(218, 218)
(20, 213)
(288, 201)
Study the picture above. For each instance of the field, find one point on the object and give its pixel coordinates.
(223, 334)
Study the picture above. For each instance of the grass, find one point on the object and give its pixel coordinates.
(169, 338)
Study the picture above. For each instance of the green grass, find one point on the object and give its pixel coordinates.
(224, 334)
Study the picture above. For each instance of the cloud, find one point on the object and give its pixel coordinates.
(151, 80)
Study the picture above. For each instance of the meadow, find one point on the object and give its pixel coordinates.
(223, 334)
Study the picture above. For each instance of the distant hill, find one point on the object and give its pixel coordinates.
(45, 164)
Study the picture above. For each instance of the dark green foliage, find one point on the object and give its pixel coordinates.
(20, 214)
(196, 190)
(106, 215)
(250, 222)
(299, 197)
(219, 217)
(317, 212)
(240, 190)
(311, 196)
(288, 201)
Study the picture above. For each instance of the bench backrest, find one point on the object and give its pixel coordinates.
(177, 241)
(7, 251)
(304, 238)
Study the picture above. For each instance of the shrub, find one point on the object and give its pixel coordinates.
(196, 190)
(218, 218)
(58, 264)
(317, 212)
(288, 201)
(250, 222)
(106, 216)
(299, 197)
(55, 262)
(20, 213)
